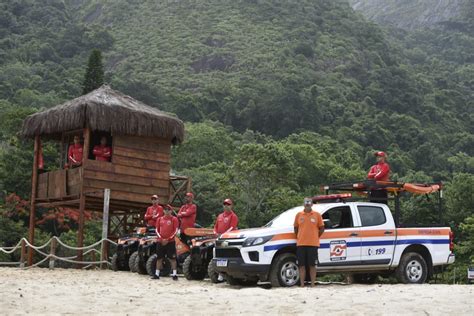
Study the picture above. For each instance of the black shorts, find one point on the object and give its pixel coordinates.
(307, 256)
(169, 250)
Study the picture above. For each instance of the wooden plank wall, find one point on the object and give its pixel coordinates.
(140, 167)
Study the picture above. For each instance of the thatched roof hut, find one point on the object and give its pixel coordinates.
(107, 110)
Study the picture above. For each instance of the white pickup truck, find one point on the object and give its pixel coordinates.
(360, 239)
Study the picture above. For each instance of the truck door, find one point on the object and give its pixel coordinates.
(377, 234)
(340, 241)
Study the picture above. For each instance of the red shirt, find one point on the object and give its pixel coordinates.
(75, 154)
(187, 214)
(167, 226)
(225, 221)
(102, 152)
(153, 211)
(379, 172)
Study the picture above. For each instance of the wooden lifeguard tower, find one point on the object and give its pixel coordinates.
(141, 138)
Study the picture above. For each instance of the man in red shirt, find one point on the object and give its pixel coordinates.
(166, 229)
(102, 152)
(74, 154)
(379, 172)
(187, 215)
(153, 212)
(227, 220)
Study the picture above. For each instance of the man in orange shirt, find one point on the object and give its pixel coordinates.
(309, 226)
(75, 152)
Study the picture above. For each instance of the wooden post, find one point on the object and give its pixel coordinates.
(23, 253)
(82, 199)
(105, 227)
(52, 252)
(34, 183)
(189, 185)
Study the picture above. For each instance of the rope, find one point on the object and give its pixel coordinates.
(18, 245)
(90, 249)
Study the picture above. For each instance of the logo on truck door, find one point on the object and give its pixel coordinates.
(338, 250)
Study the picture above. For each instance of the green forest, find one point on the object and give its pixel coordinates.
(278, 98)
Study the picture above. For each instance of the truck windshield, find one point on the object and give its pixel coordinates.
(287, 218)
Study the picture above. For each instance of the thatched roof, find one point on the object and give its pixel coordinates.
(105, 110)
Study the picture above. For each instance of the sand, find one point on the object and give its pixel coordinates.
(43, 291)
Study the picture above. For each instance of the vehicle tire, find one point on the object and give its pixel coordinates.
(151, 265)
(412, 269)
(133, 262)
(284, 271)
(114, 262)
(365, 278)
(141, 266)
(166, 269)
(213, 274)
(192, 272)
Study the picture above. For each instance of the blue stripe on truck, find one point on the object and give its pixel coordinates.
(369, 243)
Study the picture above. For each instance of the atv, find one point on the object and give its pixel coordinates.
(182, 252)
(198, 264)
(126, 246)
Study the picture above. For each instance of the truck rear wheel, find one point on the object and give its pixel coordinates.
(133, 262)
(412, 269)
(284, 271)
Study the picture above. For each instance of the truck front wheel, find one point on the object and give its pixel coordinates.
(412, 269)
(284, 271)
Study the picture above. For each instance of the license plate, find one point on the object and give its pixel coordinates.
(221, 263)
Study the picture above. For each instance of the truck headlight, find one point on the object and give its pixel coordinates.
(254, 241)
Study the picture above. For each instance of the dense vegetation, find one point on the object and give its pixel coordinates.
(279, 97)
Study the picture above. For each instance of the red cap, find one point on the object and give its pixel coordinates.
(380, 154)
(228, 202)
(190, 194)
(154, 196)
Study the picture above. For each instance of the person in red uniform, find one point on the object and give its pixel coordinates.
(379, 172)
(187, 216)
(153, 212)
(227, 220)
(102, 152)
(74, 154)
(166, 229)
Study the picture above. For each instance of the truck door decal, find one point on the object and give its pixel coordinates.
(338, 250)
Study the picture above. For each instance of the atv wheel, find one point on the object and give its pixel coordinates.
(213, 275)
(115, 262)
(133, 262)
(151, 266)
(412, 269)
(192, 272)
(284, 271)
(141, 266)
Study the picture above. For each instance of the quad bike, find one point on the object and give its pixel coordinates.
(182, 252)
(198, 264)
(126, 246)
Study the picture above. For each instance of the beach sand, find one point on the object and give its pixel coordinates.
(59, 291)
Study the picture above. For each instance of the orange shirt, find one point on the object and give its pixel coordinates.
(308, 228)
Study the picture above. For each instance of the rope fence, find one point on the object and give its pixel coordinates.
(55, 253)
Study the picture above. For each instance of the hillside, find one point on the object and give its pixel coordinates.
(278, 97)
(410, 14)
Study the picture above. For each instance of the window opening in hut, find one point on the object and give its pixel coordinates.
(101, 146)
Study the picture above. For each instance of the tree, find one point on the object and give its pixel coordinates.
(94, 77)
